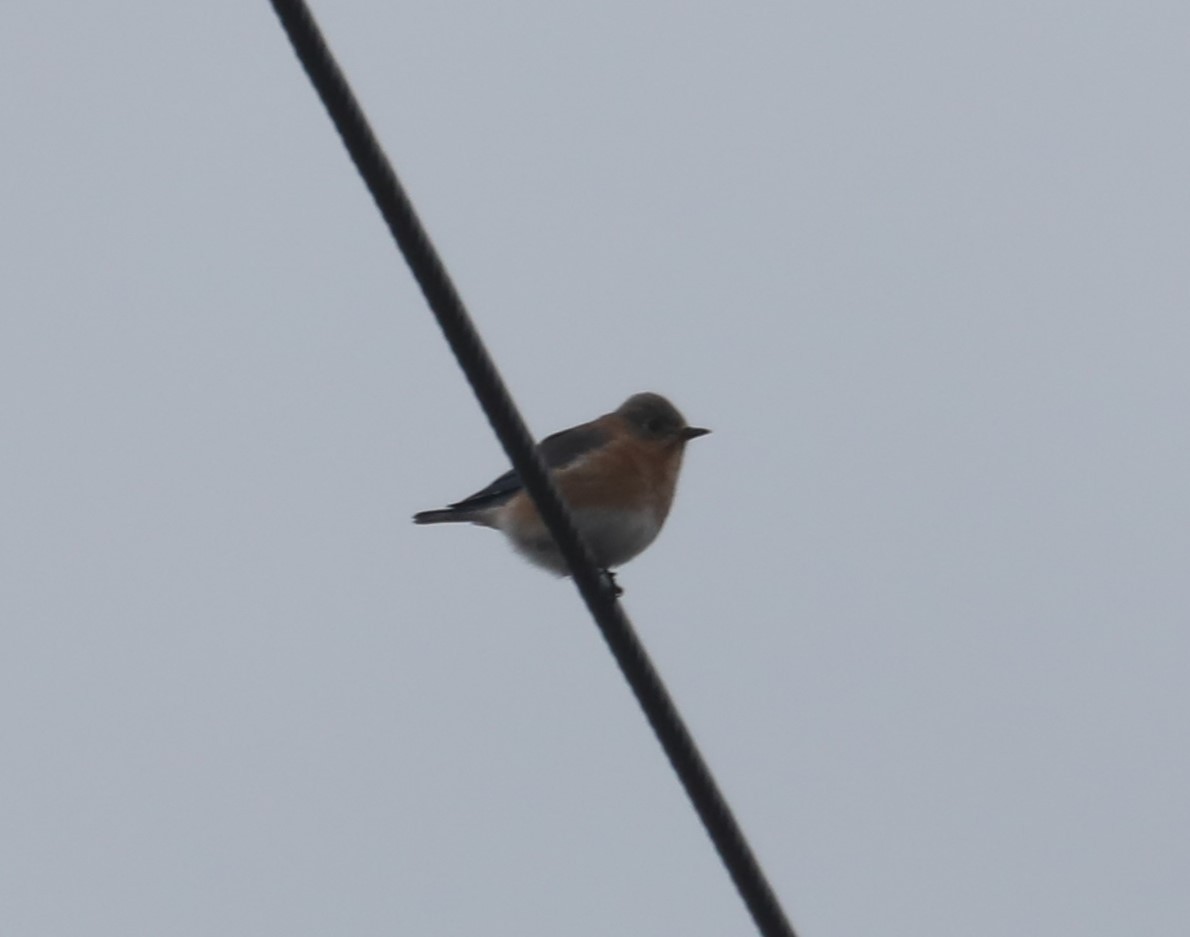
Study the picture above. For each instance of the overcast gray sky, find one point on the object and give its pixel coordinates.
(923, 598)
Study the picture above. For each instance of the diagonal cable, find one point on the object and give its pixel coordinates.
(497, 404)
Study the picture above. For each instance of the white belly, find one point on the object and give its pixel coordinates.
(613, 537)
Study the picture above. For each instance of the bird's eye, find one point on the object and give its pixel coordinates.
(656, 426)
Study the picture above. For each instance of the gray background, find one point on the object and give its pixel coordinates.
(924, 595)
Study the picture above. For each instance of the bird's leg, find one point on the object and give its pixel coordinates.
(612, 584)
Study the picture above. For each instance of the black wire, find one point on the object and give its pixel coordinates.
(501, 412)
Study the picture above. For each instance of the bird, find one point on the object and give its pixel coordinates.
(617, 474)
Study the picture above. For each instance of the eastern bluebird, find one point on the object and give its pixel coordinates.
(617, 474)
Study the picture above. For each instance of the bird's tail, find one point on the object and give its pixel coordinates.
(443, 516)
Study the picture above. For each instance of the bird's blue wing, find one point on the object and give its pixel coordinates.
(556, 451)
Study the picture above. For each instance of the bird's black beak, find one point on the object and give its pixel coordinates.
(693, 432)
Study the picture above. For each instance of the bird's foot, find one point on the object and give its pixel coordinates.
(610, 577)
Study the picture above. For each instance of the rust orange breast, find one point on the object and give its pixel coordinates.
(627, 474)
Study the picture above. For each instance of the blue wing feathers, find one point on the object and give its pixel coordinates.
(556, 451)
